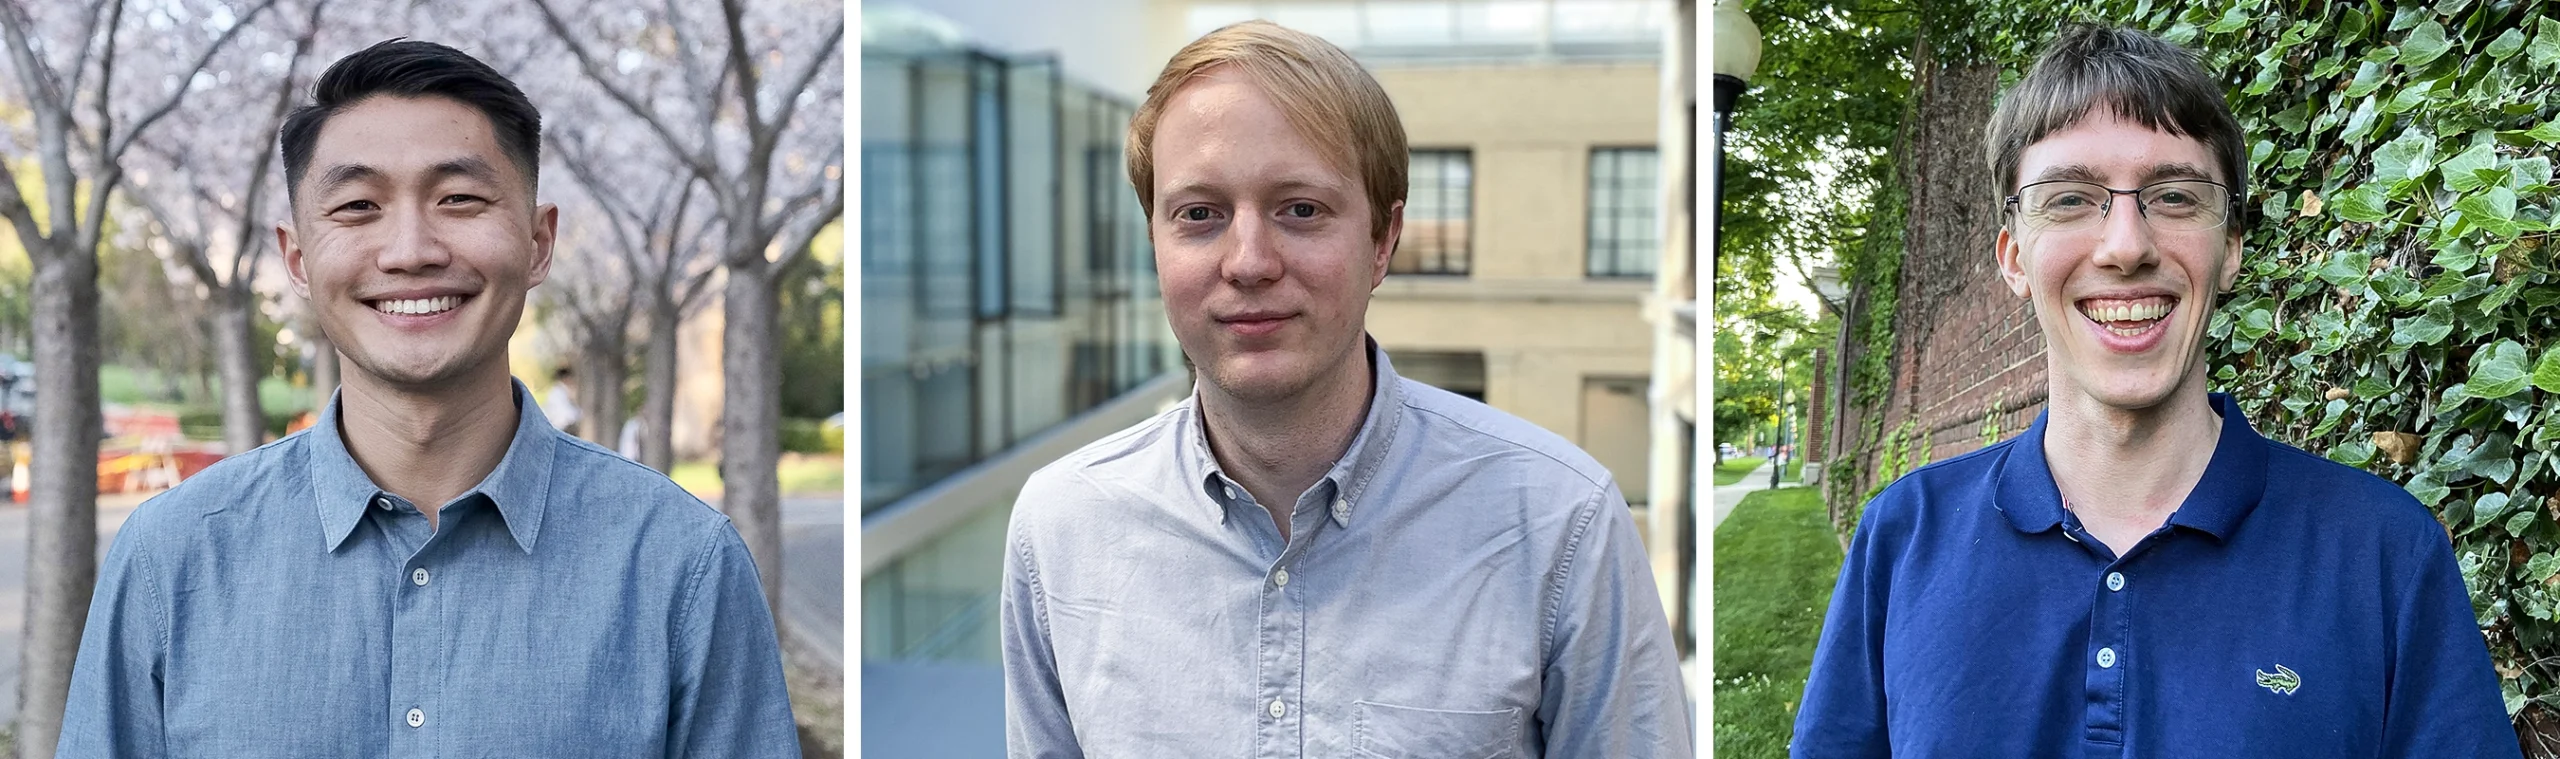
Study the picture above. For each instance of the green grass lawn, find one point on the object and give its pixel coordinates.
(137, 387)
(802, 474)
(1775, 560)
(1733, 469)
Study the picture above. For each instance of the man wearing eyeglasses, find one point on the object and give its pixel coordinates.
(2141, 574)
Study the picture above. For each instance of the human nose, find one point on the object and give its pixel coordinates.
(1254, 258)
(415, 244)
(2124, 235)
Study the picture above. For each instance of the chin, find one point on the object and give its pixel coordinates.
(1259, 378)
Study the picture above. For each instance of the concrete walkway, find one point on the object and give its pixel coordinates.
(1729, 496)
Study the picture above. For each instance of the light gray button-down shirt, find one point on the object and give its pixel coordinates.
(1461, 583)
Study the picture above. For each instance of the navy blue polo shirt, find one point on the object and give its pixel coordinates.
(2292, 607)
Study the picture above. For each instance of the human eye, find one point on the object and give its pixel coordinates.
(1300, 210)
(355, 206)
(2065, 201)
(1195, 214)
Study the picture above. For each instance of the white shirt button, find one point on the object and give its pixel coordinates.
(2115, 580)
(1341, 509)
(382, 502)
(2106, 658)
(1280, 578)
(418, 576)
(1231, 491)
(417, 718)
(1278, 709)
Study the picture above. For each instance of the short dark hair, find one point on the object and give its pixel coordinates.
(2142, 78)
(401, 67)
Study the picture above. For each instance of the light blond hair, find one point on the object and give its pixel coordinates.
(1326, 96)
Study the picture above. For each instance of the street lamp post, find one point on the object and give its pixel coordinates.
(1737, 55)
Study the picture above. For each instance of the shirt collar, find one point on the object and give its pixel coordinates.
(519, 487)
(1350, 475)
(2233, 483)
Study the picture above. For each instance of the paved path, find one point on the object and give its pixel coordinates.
(812, 578)
(1729, 496)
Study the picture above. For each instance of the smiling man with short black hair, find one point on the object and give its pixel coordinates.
(432, 569)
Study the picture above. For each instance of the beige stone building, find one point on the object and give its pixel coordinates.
(1532, 234)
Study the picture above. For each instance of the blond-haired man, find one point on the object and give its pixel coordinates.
(1312, 556)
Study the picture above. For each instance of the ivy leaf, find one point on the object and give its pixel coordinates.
(2541, 567)
(2427, 328)
(2546, 373)
(2409, 157)
(2489, 507)
(2529, 172)
(2447, 284)
(2499, 298)
(2456, 257)
(2232, 20)
(2408, 16)
(2368, 78)
(2462, 172)
(2505, 47)
(2516, 525)
(2359, 123)
(2425, 44)
(2499, 371)
(2344, 267)
(2494, 210)
(2409, 98)
(2367, 388)
(2363, 204)
(2545, 49)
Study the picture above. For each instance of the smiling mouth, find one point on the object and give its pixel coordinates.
(418, 306)
(2128, 317)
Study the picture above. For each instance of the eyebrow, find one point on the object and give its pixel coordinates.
(2158, 172)
(1220, 190)
(345, 174)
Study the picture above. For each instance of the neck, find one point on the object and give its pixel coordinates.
(428, 445)
(1278, 449)
(2130, 467)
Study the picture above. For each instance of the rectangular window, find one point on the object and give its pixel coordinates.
(1438, 214)
(1624, 230)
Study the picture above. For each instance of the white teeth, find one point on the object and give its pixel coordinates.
(419, 306)
(2143, 312)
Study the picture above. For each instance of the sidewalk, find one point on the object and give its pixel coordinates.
(1729, 496)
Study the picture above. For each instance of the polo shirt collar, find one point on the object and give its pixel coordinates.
(518, 488)
(2233, 483)
(1351, 475)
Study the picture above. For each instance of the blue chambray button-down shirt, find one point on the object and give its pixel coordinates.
(574, 604)
(2291, 607)
(1461, 583)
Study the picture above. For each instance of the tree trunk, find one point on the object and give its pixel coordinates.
(235, 335)
(603, 364)
(62, 534)
(750, 419)
(658, 388)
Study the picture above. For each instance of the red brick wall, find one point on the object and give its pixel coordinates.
(1968, 356)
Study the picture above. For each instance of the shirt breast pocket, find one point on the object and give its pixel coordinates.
(1387, 731)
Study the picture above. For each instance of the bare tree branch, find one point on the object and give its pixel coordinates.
(185, 83)
(796, 238)
(698, 159)
(742, 66)
(800, 83)
(14, 206)
(34, 75)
